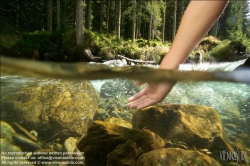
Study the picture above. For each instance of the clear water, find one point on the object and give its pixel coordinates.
(230, 100)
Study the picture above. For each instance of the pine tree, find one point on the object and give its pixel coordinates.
(79, 22)
(49, 15)
(232, 20)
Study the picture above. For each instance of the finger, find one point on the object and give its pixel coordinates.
(137, 95)
(138, 101)
(139, 83)
(142, 102)
(146, 103)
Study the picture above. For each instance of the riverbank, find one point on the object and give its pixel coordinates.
(61, 47)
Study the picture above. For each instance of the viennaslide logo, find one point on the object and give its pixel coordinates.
(235, 156)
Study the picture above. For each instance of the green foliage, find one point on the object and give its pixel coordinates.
(108, 45)
(61, 46)
(154, 8)
(34, 45)
(240, 39)
(69, 44)
(223, 51)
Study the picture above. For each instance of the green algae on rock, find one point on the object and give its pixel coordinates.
(61, 107)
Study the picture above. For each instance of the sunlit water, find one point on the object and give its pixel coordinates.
(230, 100)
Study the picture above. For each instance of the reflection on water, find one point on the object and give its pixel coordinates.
(57, 110)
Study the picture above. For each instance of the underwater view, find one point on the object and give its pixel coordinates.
(125, 83)
(72, 121)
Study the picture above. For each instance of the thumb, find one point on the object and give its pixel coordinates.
(139, 83)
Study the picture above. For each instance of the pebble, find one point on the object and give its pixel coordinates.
(70, 144)
(33, 132)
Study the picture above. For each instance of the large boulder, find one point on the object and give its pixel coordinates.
(195, 125)
(123, 155)
(51, 107)
(102, 138)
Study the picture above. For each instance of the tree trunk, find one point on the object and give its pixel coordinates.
(134, 21)
(79, 22)
(153, 27)
(49, 15)
(58, 9)
(101, 18)
(138, 23)
(182, 8)
(150, 28)
(41, 18)
(164, 21)
(119, 19)
(88, 16)
(115, 17)
(174, 20)
(215, 28)
(108, 15)
(64, 13)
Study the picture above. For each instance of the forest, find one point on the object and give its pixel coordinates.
(60, 30)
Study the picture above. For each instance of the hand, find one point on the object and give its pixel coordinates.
(152, 94)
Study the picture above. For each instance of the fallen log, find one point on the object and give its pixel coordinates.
(136, 61)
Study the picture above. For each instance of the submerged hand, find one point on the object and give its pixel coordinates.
(152, 94)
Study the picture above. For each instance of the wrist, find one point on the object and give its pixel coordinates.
(170, 62)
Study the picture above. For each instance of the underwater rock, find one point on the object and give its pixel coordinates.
(123, 155)
(34, 133)
(114, 95)
(58, 147)
(227, 99)
(15, 152)
(115, 109)
(52, 107)
(219, 145)
(25, 143)
(122, 115)
(101, 114)
(175, 156)
(117, 88)
(192, 124)
(70, 145)
(6, 131)
(102, 138)
(119, 122)
(120, 90)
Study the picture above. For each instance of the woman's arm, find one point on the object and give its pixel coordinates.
(197, 20)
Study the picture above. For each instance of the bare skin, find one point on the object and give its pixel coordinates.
(197, 20)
